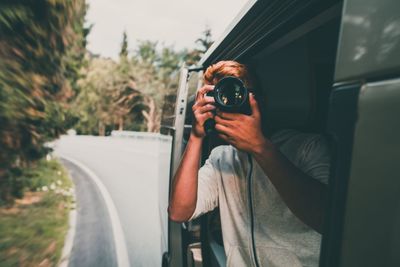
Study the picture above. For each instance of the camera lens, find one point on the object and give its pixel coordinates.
(230, 92)
(230, 95)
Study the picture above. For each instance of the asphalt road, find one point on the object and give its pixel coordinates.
(135, 174)
(93, 224)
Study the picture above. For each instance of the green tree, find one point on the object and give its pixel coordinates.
(124, 47)
(204, 42)
(128, 94)
(41, 43)
(156, 76)
(146, 53)
(93, 104)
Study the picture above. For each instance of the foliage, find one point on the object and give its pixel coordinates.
(48, 82)
(129, 94)
(41, 48)
(32, 231)
(124, 46)
(203, 44)
(126, 95)
(191, 58)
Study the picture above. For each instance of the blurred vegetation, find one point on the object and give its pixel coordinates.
(50, 83)
(126, 94)
(130, 93)
(32, 231)
(42, 43)
(203, 43)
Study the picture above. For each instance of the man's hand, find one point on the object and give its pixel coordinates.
(242, 131)
(304, 195)
(184, 188)
(202, 110)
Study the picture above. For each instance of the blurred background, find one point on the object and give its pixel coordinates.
(90, 68)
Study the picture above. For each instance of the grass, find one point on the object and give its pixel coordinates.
(32, 231)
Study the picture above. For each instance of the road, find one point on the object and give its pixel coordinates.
(93, 224)
(135, 174)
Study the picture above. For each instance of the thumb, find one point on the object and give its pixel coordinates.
(255, 112)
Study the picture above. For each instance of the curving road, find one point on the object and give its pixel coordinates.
(135, 174)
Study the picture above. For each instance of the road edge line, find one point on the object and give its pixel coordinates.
(119, 239)
(69, 239)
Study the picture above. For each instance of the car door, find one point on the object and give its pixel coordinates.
(177, 125)
(362, 225)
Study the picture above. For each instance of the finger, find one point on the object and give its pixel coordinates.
(201, 118)
(255, 112)
(227, 116)
(223, 129)
(232, 117)
(227, 123)
(199, 114)
(203, 90)
(209, 99)
(206, 108)
(224, 137)
(204, 101)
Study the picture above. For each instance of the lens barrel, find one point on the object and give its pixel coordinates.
(231, 96)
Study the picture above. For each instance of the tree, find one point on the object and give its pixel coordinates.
(127, 94)
(146, 53)
(93, 104)
(203, 43)
(40, 46)
(191, 58)
(157, 78)
(123, 54)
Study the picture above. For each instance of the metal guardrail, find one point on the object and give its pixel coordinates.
(141, 135)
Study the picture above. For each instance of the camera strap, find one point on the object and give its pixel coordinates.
(250, 200)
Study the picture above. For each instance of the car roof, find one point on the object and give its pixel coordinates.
(259, 22)
(231, 29)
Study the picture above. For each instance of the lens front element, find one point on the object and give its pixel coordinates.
(230, 92)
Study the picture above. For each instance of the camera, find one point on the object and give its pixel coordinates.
(231, 96)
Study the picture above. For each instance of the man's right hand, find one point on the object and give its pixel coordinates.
(184, 188)
(202, 110)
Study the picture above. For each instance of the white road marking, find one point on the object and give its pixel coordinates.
(69, 240)
(119, 239)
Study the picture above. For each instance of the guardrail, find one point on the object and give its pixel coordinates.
(141, 135)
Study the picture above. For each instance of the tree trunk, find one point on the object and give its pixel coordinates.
(102, 129)
(121, 123)
(151, 116)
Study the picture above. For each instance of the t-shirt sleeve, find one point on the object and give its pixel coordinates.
(316, 158)
(207, 187)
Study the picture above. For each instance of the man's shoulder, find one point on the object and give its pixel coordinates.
(294, 137)
(222, 152)
(294, 144)
(227, 155)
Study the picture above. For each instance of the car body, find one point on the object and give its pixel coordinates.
(327, 67)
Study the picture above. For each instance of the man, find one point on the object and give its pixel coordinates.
(270, 191)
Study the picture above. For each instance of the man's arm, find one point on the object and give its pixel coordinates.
(184, 189)
(304, 195)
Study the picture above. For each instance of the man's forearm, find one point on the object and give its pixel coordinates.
(304, 195)
(184, 189)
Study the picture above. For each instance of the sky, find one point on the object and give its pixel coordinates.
(176, 23)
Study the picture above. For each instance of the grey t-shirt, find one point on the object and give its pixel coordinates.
(281, 239)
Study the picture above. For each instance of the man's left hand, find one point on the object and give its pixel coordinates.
(242, 131)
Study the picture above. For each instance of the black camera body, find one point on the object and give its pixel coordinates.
(231, 96)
